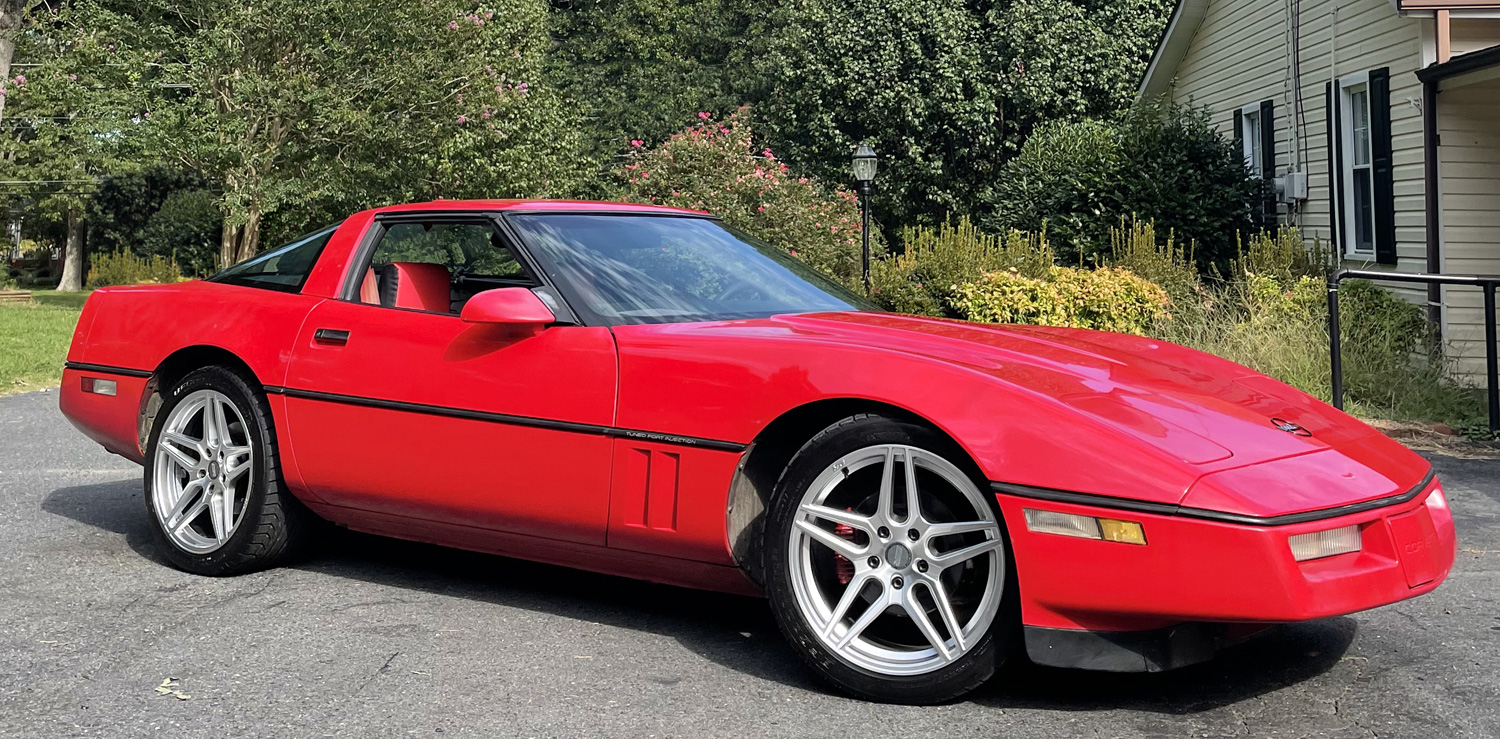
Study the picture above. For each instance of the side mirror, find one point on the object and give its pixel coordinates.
(507, 306)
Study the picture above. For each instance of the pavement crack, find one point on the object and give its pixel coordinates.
(383, 670)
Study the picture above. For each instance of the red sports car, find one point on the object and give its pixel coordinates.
(647, 392)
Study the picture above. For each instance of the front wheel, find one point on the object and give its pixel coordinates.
(213, 482)
(886, 565)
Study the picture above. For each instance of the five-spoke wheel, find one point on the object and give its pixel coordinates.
(213, 485)
(203, 471)
(893, 559)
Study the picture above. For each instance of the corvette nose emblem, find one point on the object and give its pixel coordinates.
(1290, 427)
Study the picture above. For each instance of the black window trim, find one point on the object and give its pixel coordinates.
(332, 230)
(365, 252)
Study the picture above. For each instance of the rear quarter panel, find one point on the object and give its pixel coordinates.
(136, 328)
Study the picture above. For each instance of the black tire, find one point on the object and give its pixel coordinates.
(944, 684)
(275, 525)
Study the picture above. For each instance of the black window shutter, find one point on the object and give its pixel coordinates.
(1268, 158)
(1380, 159)
(1335, 172)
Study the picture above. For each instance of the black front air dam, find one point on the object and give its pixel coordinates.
(1157, 650)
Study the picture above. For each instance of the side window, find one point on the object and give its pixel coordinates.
(438, 266)
(284, 268)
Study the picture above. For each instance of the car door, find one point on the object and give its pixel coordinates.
(397, 406)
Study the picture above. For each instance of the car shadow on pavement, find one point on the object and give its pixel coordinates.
(113, 506)
(739, 632)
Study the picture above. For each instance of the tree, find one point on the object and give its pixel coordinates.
(285, 108)
(946, 92)
(907, 76)
(640, 69)
(77, 114)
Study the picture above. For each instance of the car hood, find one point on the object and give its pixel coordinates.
(1208, 413)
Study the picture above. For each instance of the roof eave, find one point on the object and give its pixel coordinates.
(1187, 16)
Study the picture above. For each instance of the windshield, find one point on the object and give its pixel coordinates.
(665, 269)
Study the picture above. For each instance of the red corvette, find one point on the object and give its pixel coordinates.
(645, 392)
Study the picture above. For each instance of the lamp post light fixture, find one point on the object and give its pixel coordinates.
(864, 164)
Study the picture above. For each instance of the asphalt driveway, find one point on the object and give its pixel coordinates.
(375, 637)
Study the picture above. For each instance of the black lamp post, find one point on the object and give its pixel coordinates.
(864, 164)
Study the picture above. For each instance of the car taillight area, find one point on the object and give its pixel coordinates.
(1193, 569)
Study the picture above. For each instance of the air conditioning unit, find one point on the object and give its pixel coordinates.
(1291, 187)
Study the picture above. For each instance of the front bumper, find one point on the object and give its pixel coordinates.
(1193, 570)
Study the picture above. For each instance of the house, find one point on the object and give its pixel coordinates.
(1377, 121)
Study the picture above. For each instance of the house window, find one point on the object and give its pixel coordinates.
(1358, 170)
(1250, 138)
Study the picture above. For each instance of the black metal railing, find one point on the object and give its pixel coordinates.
(1487, 283)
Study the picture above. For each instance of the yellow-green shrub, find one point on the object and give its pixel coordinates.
(125, 268)
(921, 279)
(1107, 299)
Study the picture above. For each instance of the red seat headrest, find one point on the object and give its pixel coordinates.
(416, 285)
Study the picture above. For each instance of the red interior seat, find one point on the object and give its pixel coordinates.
(369, 289)
(416, 285)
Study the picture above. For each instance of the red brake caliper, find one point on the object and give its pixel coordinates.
(842, 566)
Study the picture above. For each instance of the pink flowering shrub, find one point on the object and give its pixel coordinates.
(716, 167)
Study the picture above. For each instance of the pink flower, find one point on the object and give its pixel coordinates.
(703, 116)
(73, 77)
(453, 25)
(20, 80)
(766, 152)
(761, 209)
(463, 119)
(499, 88)
(459, 97)
(645, 175)
(486, 114)
(636, 143)
(794, 252)
(723, 130)
(522, 87)
(488, 14)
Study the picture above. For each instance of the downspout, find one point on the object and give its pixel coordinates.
(1430, 142)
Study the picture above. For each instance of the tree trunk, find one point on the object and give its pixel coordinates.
(73, 262)
(229, 245)
(12, 15)
(250, 236)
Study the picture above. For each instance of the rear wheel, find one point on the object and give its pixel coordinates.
(213, 482)
(887, 566)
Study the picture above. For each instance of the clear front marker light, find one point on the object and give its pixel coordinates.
(1320, 544)
(98, 387)
(1084, 527)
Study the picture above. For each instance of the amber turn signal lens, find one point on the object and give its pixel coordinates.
(1125, 532)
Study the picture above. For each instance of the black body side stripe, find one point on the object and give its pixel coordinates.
(1164, 509)
(504, 418)
(106, 369)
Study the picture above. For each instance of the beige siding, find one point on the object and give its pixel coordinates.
(1239, 56)
(1473, 34)
(1469, 162)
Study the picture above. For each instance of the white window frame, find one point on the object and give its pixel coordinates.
(1251, 138)
(1349, 87)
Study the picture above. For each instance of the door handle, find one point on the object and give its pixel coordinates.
(333, 337)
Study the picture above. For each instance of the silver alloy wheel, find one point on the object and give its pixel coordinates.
(202, 475)
(905, 556)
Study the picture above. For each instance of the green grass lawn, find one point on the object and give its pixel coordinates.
(34, 340)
